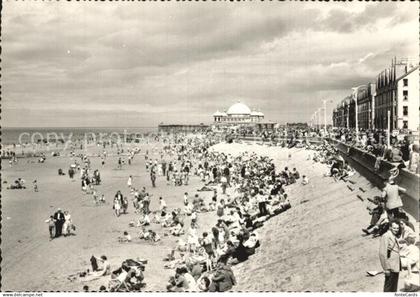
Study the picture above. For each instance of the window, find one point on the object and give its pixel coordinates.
(405, 93)
(405, 82)
(405, 124)
(405, 110)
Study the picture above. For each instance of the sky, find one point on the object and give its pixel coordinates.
(137, 64)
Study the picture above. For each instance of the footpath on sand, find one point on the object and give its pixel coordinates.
(317, 245)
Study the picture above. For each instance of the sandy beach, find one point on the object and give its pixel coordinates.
(316, 245)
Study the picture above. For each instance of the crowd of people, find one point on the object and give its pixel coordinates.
(256, 193)
(247, 190)
(402, 150)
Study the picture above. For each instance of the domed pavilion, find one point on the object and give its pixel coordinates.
(238, 113)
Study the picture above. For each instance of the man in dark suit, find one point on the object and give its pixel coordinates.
(389, 255)
(59, 221)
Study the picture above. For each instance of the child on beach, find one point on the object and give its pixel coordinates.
(102, 199)
(117, 207)
(125, 238)
(305, 180)
(51, 227)
(35, 184)
(130, 182)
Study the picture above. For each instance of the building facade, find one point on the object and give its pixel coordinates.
(344, 113)
(408, 100)
(395, 95)
(365, 106)
(389, 96)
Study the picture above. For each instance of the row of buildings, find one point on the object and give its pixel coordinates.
(393, 97)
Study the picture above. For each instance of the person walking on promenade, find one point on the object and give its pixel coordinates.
(389, 255)
(392, 197)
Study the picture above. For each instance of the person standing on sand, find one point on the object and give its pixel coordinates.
(393, 201)
(51, 227)
(389, 255)
(117, 206)
(146, 203)
(130, 182)
(153, 178)
(59, 221)
(35, 183)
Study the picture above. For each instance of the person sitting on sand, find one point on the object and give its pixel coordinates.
(252, 243)
(378, 216)
(223, 278)
(104, 268)
(145, 221)
(18, 184)
(182, 282)
(125, 238)
(188, 209)
(177, 230)
(305, 180)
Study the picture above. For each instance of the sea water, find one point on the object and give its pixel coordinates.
(44, 134)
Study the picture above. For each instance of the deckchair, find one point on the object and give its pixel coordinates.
(119, 284)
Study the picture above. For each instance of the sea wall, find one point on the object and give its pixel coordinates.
(364, 162)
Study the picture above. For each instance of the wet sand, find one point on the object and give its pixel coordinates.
(316, 245)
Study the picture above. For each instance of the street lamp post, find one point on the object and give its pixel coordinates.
(348, 116)
(319, 118)
(325, 116)
(388, 132)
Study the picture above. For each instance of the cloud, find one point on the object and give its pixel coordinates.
(129, 64)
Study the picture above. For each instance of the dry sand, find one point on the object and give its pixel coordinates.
(316, 245)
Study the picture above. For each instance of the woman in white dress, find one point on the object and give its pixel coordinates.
(117, 207)
(192, 240)
(67, 224)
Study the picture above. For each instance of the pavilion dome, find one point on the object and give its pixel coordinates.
(218, 114)
(239, 109)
